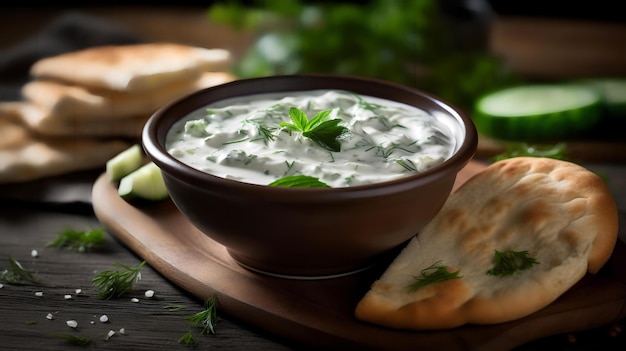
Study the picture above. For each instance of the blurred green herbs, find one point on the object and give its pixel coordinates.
(411, 42)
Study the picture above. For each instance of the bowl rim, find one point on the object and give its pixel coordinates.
(154, 132)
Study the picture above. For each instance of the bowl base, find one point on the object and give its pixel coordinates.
(297, 276)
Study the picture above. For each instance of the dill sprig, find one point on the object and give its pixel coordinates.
(16, 274)
(206, 318)
(187, 339)
(74, 339)
(407, 164)
(80, 241)
(509, 262)
(174, 307)
(115, 283)
(435, 273)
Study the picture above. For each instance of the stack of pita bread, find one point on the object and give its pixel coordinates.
(82, 108)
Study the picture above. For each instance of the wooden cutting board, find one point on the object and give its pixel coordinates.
(319, 313)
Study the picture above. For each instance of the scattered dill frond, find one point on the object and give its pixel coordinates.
(16, 274)
(187, 339)
(435, 273)
(174, 307)
(74, 339)
(206, 318)
(509, 262)
(80, 241)
(115, 283)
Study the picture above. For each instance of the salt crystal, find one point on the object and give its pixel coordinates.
(104, 318)
(39, 293)
(134, 299)
(78, 291)
(72, 323)
(149, 293)
(122, 331)
(67, 297)
(50, 316)
(110, 334)
(34, 253)
(1, 286)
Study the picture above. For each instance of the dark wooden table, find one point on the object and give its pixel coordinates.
(33, 214)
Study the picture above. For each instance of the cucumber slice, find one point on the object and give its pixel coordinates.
(144, 183)
(124, 163)
(613, 91)
(541, 112)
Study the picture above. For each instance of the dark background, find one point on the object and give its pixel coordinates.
(600, 10)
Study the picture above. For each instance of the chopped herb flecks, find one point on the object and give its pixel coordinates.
(435, 273)
(80, 241)
(187, 339)
(74, 339)
(509, 262)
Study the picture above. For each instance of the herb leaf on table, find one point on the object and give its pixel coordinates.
(115, 283)
(16, 274)
(81, 241)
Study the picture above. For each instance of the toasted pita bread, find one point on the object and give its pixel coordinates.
(64, 103)
(560, 213)
(44, 123)
(131, 68)
(27, 157)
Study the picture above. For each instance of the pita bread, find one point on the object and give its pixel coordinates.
(26, 157)
(65, 102)
(560, 213)
(131, 68)
(43, 123)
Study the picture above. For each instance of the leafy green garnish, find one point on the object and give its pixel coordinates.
(174, 307)
(187, 339)
(435, 273)
(299, 181)
(509, 262)
(206, 318)
(324, 132)
(115, 283)
(556, 151)
(16, 274)
(80, 241)
(74, 339)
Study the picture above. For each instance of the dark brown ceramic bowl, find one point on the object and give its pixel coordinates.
(311, 232)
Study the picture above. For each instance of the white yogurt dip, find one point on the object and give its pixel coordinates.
(241, 139)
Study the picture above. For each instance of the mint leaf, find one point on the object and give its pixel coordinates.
(299, 181)
(326, 133)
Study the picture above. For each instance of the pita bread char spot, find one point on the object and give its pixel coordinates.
(560, 213)
(133, 67)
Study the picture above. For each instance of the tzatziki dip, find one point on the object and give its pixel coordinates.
(246, 139)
